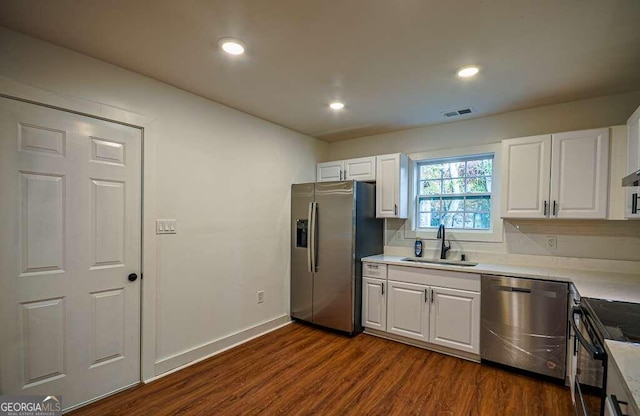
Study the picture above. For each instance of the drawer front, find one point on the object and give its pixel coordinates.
(374, 270)
(435, 277)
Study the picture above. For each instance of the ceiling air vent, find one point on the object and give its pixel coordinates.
(460, 112)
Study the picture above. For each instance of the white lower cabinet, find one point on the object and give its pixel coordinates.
(437, 307)
(455, 319)
(374, 303)
(617, 393)
(408, 310)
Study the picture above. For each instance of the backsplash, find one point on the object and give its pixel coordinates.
(579, 239)
(613, 240)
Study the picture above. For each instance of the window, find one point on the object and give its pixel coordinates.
(455, 192)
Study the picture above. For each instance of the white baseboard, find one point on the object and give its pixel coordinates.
(184, 359)
(95, 399)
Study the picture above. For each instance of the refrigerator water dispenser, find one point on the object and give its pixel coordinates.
(301, 233)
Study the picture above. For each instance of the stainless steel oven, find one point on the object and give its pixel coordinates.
(591, 358)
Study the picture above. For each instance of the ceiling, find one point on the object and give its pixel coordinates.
(393, 63)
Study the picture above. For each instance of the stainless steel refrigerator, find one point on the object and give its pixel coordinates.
(333, 225)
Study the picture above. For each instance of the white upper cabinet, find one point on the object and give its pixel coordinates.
(392, 186)
(633, 165)
(580, 174)
(361, 169)
(526, 167)
(563, 175)
(329, 171)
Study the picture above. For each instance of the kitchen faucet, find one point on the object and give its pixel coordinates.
(444, 247)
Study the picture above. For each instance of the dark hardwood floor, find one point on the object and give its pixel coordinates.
(300, 370)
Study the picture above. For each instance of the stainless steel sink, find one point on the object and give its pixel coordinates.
(448, 262)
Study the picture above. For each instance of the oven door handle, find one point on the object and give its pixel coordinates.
(594, 350)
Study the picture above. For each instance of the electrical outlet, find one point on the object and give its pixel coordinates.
(260, 296)
(552, 242)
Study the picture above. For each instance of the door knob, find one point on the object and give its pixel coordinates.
(133, 277)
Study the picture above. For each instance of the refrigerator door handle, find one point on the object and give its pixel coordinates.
(310, 239)
(313, 211)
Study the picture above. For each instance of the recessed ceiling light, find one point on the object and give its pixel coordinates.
(468, 71)
(336, 105)
(232, 46)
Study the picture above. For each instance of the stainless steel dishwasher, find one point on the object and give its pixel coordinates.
(524, 324)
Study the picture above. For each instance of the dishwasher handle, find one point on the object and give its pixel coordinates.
(595, 351)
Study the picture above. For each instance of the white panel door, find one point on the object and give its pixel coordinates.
(330, 171)
(374, 303)
(580, 174)
(69, 317)
(361, 169)
(408, 310)
(455, 319)
(526, 170)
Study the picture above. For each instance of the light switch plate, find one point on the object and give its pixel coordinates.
(166, 226)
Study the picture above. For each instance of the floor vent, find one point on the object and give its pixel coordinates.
(460, 112)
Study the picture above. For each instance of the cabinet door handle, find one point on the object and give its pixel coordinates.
(431, 295)
(395, 209)
(383, 289)
(426, 295)
(555, 211)
(634, 203)
(545, 208)
(372, 266)
(616, 405)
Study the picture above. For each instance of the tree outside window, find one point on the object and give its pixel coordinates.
(455, 192)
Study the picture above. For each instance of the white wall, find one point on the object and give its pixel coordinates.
(224, 175)
(609, 240)
(598, 112)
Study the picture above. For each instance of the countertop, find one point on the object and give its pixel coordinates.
(627, 360)
(589, 283)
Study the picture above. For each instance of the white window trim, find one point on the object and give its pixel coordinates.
(493, 235)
